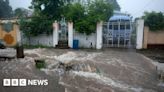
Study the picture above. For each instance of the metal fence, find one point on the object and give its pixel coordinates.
(119, 34)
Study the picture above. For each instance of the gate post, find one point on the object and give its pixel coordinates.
(99, 33)
(70, 34)
(55, 34)
(140, 32)
(18, 33)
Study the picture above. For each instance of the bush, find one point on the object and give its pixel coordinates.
(155, 21)
(40, 64)
(36, 26)
(86, 16)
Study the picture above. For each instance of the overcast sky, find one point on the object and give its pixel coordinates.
(133, 7)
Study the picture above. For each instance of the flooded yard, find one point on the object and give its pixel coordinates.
(108, 70)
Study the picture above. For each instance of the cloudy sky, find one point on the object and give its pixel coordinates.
(134, 7)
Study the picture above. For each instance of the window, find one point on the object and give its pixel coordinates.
(122, 27)
(128, 26)
(8, 27)
(115, 27)
(110, 26)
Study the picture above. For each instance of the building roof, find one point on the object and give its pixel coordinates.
(119, 16)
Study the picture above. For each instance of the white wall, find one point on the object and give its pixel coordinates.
(85, 41)
(99, 35)
(70, 34)
(140, 31)
(44, 39)
(55, 33)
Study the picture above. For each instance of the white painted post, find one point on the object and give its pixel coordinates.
(55, 34)
(18, 33)
(140, 32)
(70, 34)
(99, 32)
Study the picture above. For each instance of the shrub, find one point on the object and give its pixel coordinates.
(40, 64)
(86, 16)
(155, 21)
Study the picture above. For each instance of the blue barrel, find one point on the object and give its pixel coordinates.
(76, 44)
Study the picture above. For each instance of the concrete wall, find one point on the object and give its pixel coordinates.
(153, 38)
(9, 38)
(156, 37)
(99, 35)
(140, 32)
(70, 34)
(85, 41)
(43, 39)
(55, 33)
(47, 40)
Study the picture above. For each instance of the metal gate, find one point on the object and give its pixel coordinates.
(119, 34)
(63, 30)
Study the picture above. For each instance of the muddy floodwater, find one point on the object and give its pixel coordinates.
(107, 70)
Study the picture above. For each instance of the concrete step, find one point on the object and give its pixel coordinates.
(62, 45)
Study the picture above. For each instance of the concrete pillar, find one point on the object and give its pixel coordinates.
(70, 34)
(18, 35)
(140, 32)
(55, 33)
(146, 33)
(99, 33)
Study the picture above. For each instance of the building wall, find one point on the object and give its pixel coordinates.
(10, 38)
(156, 37)
(43, 39)
(139, 33)
(47, 40)
(86, 41)
(153, 38)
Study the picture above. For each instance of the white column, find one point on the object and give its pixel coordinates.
(140, 31)
(18, 33)
(99, 33)
(70, 34)
(55, 34)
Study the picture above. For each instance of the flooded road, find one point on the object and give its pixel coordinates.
(84, 71)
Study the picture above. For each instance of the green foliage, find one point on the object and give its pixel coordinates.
(86, 16)
(24, 27)
(115, 4)
(45, 12)
(5, 9)
(51, 9)
(40, 64)
(20, 12)
(155, 21)
(36, 26)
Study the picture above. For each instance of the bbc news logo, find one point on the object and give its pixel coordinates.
(24, 82)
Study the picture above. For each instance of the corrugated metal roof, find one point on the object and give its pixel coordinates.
(119, 17)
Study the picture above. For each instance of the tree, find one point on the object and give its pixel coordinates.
(115, 4)
(154, 21)
(85, 16)
(21, 12)
(45, 13)
(5, 9)
(51, 9)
